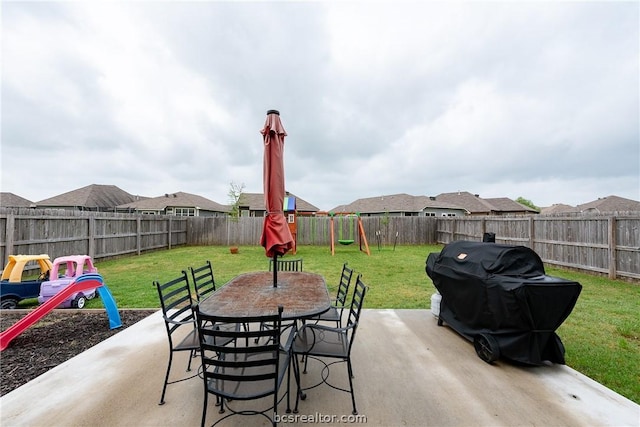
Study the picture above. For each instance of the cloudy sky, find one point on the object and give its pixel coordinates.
(503, 99)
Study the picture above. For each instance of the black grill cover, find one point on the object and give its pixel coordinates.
(503, 291)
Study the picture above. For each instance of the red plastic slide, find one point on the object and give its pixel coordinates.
(45, 308)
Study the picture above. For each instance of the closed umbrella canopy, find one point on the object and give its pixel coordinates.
(276, 237)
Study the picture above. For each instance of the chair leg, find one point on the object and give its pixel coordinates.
(289, 387)
(296, 374)
(166, 378)
(261, 329)
(204, 407)
(192, 354)
(275, 409)
(353, 396)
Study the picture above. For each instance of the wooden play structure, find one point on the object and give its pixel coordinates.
(355, 222)
(289, 209)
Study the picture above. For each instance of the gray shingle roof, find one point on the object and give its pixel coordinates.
(479, 206)
(179, 200)
(505, 204)
(611, 204)
(255, 202)
(558, 208)
(10, 200)
(91, 196)
(394, 203)
(473, 203)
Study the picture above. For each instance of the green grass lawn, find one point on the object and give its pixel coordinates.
(601, 336)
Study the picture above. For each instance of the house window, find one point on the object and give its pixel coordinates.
(185, 212)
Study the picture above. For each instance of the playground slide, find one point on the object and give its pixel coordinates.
(83, 283)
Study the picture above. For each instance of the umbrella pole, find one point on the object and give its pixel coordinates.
(275, 270)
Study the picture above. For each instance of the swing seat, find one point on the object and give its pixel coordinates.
(345, 241)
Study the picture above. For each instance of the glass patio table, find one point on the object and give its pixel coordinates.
(302, 295)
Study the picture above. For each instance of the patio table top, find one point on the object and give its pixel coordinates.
(302, 295)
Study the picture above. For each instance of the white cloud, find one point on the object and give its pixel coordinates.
(531, 99)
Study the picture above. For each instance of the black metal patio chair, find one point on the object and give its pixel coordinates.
(204, 284)
(334, 314)
(242, 372)
(320, 341)
(287, 264)
(176, 303)
(203, 280)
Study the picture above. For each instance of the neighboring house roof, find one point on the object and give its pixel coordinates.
(472, 203)
(476, 205)
(179, 200)
(252, 201)
(506, 205)
(610, 204)
(395, 203)
(558, 208)
(10, 200)
(92, 196)
(255, 202)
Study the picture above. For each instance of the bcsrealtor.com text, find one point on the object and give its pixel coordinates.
(318, 418)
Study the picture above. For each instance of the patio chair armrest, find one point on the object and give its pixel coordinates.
(336, 304)
(173, 322)
(328, 328)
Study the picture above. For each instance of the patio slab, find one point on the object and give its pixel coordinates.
(408, 371)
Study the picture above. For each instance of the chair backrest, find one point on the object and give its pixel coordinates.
(357, 302)
(203, 281)
(176, 302)
(343, 286)
(254, 356)
(287, 264)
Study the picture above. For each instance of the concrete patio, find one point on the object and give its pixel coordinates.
(408, 372)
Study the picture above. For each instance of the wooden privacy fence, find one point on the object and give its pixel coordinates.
(101, 235)
(603, 244)
(313, 230)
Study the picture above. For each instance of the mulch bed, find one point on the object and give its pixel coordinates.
(56, 338)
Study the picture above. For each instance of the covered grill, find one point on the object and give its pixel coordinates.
(499, 297)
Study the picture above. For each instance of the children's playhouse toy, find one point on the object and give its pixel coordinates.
(85, 283)
(22, 277)
(65, 271)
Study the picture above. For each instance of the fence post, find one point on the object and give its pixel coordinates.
(138, 235)
(612, 248)
(169, 237)
(92, 236)
(453, 230)
(532, 232)
(8, 247)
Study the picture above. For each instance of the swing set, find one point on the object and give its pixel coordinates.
(352, 218)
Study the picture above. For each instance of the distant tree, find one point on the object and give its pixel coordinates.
(235, 191)
(527, 202)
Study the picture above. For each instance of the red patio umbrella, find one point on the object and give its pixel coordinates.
(276, 237)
